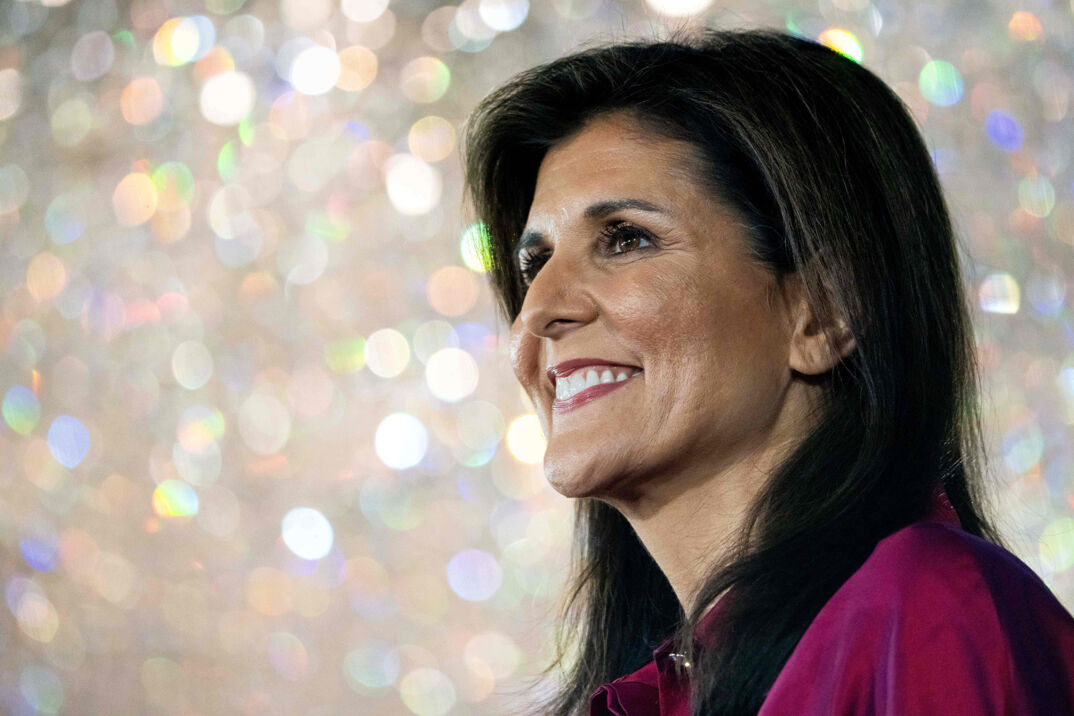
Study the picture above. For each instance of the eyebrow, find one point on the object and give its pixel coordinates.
(532, 237)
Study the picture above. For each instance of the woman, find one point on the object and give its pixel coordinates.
(735, 301)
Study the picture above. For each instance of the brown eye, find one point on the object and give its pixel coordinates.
(622, 238)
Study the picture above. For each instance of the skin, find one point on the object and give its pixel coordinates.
(682, 449)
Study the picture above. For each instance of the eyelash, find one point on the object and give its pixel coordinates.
(530, 263)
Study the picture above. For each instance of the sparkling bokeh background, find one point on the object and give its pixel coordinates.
(261, 450)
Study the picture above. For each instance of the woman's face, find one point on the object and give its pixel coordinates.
(635, 266)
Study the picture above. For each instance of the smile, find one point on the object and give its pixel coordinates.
(587, 384)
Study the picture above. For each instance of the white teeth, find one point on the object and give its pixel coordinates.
(579, 380)
(563, 389)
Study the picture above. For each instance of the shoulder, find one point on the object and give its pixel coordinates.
(935, 617)
(942, 588)
(940, 564)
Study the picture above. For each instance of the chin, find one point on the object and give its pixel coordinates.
(576, 478)
(563, 481)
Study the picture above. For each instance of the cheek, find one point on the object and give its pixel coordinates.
(651, 303)
(667, 306)
(704, 331)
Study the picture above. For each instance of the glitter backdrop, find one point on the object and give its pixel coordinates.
(261, 450)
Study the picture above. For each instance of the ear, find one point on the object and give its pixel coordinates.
(812, 350)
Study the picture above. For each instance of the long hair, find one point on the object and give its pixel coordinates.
(827, 171)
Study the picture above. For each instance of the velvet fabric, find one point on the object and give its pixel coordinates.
(936, 621)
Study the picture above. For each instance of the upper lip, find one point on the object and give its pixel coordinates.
(560, 370)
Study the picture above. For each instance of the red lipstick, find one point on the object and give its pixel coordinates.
(561, 370)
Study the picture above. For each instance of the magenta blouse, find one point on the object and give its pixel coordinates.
(936, 621)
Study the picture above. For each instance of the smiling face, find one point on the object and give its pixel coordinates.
(635, 265)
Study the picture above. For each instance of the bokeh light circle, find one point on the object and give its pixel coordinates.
(288, 655)
(226, 98)
(504, 15)
(452, 290)
(425, 79)
(92, 56)
(401, 441)
(45, 276)
(307, 533)
(1004, 130)
(65, 219)
(999, 293)
(198, 429)
(357, 68)
(427, 692)
(264, 423)
(346, 355)
(474, 575)
(68, 440)
(413, 186)
(451, 374)
(842, 41)
(306, 14)
(37, 617)
(495, 650)
(678, 8)
(940, 83)
(526, 440)
(315, 70)
(469, 31)
(183, 39)
(72, 121)
(229, 212)
(431, 336)
(134, 199)
(192, 364)
(431, 138)
(39, 546)
(141, 100)
(1036, 195)
(386, 352)
(174, 498)
(363, 10)
(21, 409)
(373, 665)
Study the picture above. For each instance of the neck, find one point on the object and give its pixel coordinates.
(690, 518)
(688, 530)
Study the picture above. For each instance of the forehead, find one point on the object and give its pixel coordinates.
(614, 156)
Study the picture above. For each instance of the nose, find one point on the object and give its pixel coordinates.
(558, 300)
